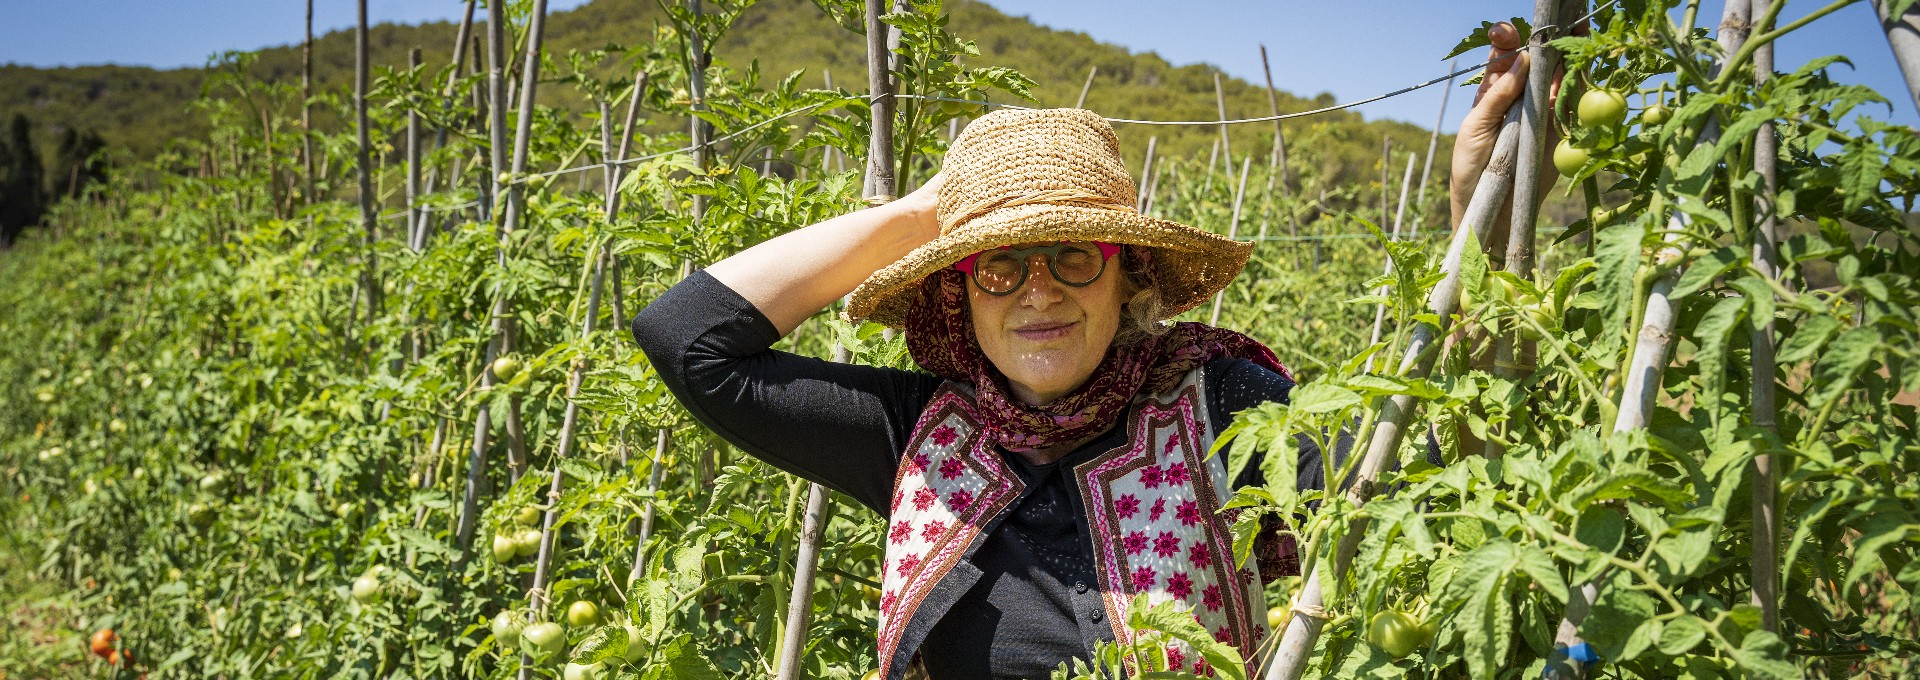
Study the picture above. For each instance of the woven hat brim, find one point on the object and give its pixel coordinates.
(1191, 264)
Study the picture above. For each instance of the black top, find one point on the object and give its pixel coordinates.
(846, 426)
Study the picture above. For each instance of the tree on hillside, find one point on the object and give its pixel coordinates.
(21, 201)
(77, 163)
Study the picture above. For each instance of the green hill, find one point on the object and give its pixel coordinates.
(141, 109)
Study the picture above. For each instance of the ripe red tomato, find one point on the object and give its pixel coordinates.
(102, 642)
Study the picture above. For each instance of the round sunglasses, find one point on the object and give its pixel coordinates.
(1003, 270)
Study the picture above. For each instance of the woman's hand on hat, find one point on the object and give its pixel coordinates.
(794, 275)
(1500, 87)
(919, 206)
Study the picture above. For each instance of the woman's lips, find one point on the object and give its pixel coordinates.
(1042, 332)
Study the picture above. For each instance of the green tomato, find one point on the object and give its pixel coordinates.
(504, 548)
(1276, 617)
(1656, 114)
(527, 516)
(507, 627)
(1602, 108)
(537, 182)
(545, 638)
(575, 671)
(1395, 633)
(636, 648)
(527, 542)
(582, 613)
(200, 515)
(346, 510)
(1569, 159)
(504, 368)
(366, 589)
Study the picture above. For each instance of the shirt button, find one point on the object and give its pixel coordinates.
(1099, 615)
(1079, 586)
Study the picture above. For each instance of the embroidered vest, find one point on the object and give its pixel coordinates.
(1151, 504)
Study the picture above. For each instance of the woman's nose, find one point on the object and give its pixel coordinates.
(1040, 290)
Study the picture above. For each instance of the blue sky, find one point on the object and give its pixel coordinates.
(1351, 48)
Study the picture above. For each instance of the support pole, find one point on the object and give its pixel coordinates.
(1903, 36)
(1081, 103)
(1303, 628)
(1233, 231)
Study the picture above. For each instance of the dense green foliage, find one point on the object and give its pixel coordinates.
(212, 445)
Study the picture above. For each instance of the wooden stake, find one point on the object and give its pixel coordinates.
(1233, 230)
(1766, 259)
(1303, 628)
(1220, 101)
(306, 104)
(1278, 158)
(1081, 103)
(1903, 36)
(1433, 144)
(1518, 260)
(370, 277)
(1146, 170)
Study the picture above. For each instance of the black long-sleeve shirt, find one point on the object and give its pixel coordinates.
(846, 426)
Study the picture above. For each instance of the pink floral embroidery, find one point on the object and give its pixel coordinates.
(901, 532)
(1223, 635)
(920, 460)
(1210, 597)
(1173, 442)
(1175, 658)
(1200, 668)
(896, 502)
(1143, 578)
(1177, 474)
(1199, 555)
(1135, 542)
(1150, 476)
(908, 563)
(1166, 544)
(924, 498)
(933, 530)
(951, 468)
(1189, 513)
(944, 435)
(1127, 506)
(960, 500)
(1179, 585)
(886, 602)
(1159, 508)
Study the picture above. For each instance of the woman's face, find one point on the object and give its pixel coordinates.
(1048, 337)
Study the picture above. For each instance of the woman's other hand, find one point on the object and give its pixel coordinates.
(1505, 80)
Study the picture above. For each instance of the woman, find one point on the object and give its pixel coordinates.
(1052, 461)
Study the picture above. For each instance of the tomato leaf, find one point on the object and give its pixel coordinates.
(1833, 373)
(603, 643)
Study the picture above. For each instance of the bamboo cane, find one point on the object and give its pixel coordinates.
(370, 276)
(1433, 144)
(1146, 169)
(879, 189)
(1220, 103)
(1081, 103)
(1386, 185)
(413, 162)
(1641, 385)
(1903, 37)
(1380, 310)
(1303, 629)
(1233, 230)
(424, 227)
(1766, 260)
(1544, 60)
(306, 104)
(1278, 158)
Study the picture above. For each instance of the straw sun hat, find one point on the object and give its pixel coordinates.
(1019, 176)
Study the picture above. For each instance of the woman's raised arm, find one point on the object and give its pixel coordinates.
(792, 276)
